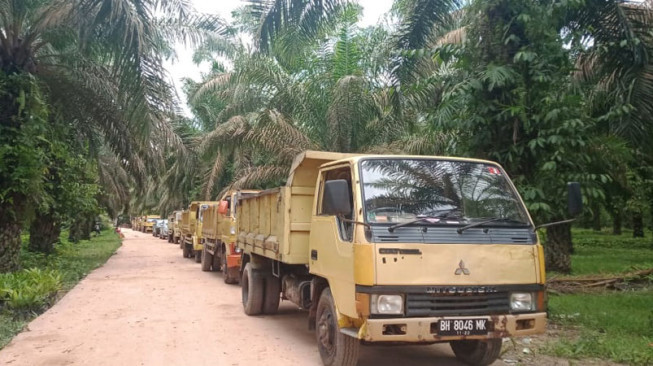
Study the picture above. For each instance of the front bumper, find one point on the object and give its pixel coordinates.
(423, 330)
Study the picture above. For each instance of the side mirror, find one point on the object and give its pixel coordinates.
(336, 199)
(223, 207)
(574, 199)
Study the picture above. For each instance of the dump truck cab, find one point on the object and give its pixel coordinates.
(219, 252)
(176, 227)
(396, 249)
(192, 229)
(148, 223)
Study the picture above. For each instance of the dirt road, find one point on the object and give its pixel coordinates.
(149, 306)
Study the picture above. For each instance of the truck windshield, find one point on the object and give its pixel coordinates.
(439, 191)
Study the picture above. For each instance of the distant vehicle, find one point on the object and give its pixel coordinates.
(163, 230)
(158, 225)
(148, 223)
(174, 222)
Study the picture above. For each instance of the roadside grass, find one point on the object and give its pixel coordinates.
(614, 325)
(604, 253)
(29, 292)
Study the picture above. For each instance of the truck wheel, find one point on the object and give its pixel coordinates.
(479, 353)
(186, 250)
(207, 260)
(272, 294)
(335, 347)
(180, 242)
(198, 256)
(252, 290)
(225, 271)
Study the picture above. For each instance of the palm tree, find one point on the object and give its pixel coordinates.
(94, 63)
(271, 106)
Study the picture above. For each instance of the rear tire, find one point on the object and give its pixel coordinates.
(272, 294)
(207, 260)
(477, 353)
(335, 347)
(252, 290)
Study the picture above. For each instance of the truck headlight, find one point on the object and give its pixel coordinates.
(386, 304)
(522, 301)
(232, 230)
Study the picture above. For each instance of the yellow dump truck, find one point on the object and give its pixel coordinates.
(219, 251)
(192, 229)
(173, 226)
(147, 224)
(396, 250)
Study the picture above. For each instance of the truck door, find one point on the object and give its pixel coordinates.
(331, 244)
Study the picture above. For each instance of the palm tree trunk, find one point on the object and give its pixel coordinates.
(87, 227)
(596, 216)
(10, 241)
(44, 233)
(558, 248)
(638, 225)
(616, 222)
(75, 233)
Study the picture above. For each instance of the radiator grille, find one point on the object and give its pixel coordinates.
(423, 305)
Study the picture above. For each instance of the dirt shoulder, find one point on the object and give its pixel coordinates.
(149, 306)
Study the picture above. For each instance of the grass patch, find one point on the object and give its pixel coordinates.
(603, 253)
(30, 291)
(610, 325)
(616, 326)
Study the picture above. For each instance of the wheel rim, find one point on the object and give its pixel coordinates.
(326, 331)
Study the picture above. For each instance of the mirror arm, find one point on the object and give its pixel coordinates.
(553, 224)
(342, 217)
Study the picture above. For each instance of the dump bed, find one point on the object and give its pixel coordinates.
(210, 225)
(186, 223)
(276, 223)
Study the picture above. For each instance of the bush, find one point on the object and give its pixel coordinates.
(29, 290)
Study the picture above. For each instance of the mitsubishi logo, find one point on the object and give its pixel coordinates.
(461, 269)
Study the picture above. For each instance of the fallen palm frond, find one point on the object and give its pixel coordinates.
(597, 283)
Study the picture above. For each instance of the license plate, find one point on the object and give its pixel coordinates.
(463, 327)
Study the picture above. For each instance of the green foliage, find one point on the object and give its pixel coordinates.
(22, 139)
(29, 290)
(26, 293)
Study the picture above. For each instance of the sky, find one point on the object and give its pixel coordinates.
(183, 66)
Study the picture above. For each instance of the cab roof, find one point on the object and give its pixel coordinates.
(303, 171)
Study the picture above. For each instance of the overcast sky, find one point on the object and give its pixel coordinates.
(184, 67)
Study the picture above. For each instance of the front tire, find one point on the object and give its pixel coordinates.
(252, 290)
(477, 353)
(335, 347)
(207, 260)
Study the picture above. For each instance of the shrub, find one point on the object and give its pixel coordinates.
(29, 290)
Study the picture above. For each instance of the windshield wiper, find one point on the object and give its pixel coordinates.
(444, 215)
(493, 219)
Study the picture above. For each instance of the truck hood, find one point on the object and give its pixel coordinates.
(455, 264)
